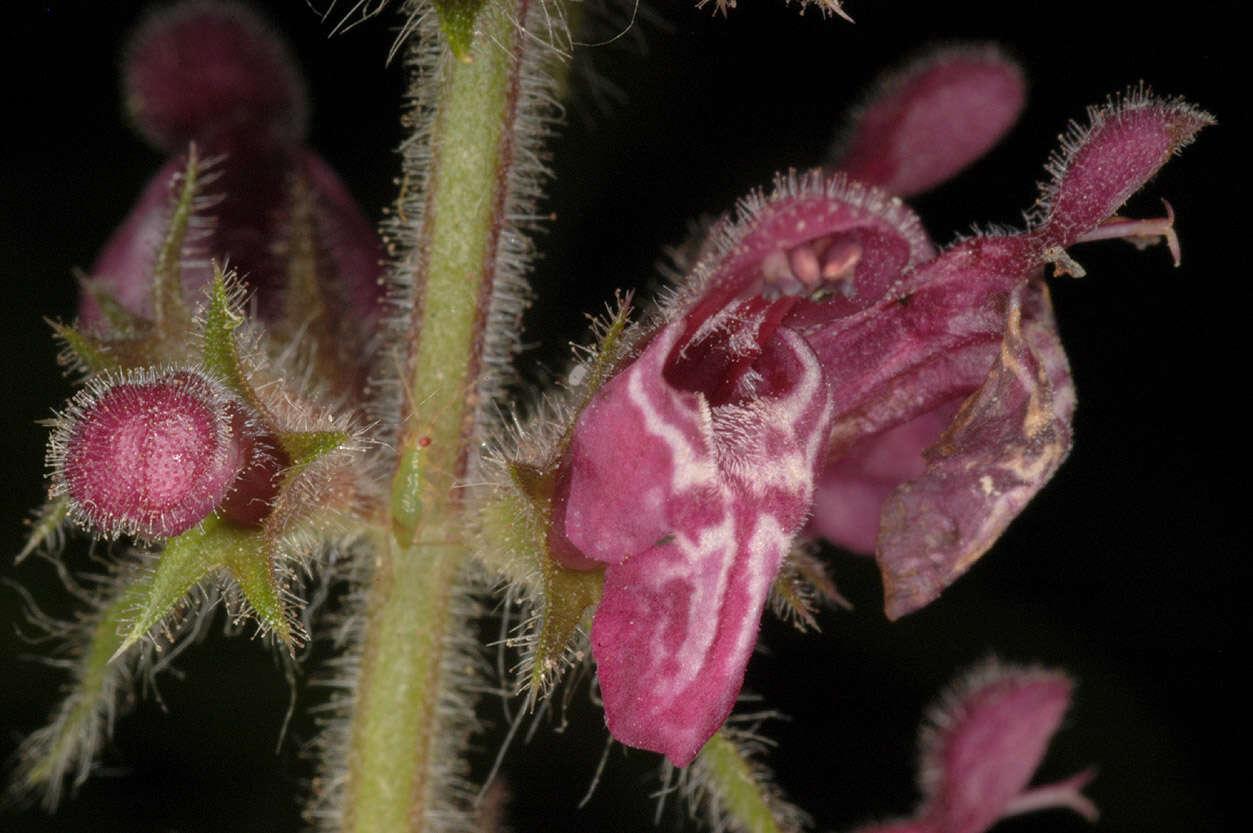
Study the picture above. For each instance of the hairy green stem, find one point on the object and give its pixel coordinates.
(736, 791)
(408, 715)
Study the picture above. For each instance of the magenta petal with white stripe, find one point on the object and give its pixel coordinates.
(820, 343)
(705, 503)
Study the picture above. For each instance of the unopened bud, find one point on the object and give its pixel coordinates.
(149, 454)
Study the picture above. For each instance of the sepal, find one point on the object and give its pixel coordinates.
(216, 546)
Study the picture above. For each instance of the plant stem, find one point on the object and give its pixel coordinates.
(409, 714)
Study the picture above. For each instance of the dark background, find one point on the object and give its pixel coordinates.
(1129, 570)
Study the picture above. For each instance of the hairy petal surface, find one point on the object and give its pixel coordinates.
(1099, 166)
(852, 488)
(974, 326)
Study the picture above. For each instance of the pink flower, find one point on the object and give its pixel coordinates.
(821, 350)
(983, 742)
(214, 75)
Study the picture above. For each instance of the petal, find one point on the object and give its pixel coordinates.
(612, 511)
(900, 370)
(241, 210)
(202, 71)
(694, 508)
(1101, 165)
(803, 209)
(351, 244)
(927, 122)
(852, 488)
(1003, 446)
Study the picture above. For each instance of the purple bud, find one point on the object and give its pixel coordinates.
(216, 75)
(149, 455)
(927, 122)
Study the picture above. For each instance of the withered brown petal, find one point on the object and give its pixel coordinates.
(1004, 444)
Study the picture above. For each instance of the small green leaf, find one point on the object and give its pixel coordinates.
(121, 320)
(567, 596)
(79, 725)
(456, 21)
(303, 447)
(518, 520)
(610, 347)
(84, 352)
(255, 570)
(738, 791)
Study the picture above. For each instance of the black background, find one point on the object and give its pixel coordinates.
(1129, 569)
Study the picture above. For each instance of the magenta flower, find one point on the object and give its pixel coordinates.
(821, 346)
(983, 743)
(214, 75)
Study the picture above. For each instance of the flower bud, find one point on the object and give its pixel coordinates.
(217, 78)
(149, 454)
(984, 743)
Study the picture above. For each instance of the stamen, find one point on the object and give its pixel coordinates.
(840, 260)
(1140, 232)
(774, 266)
(805, 265)
(778, 277)
(814, 269)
